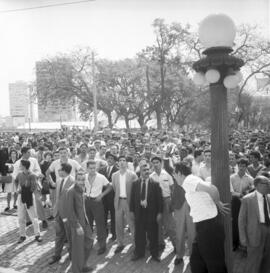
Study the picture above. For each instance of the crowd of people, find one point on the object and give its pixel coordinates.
(145, 185)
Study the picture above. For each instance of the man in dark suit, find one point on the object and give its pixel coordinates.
(62, 228)
(108, 200)
(146, 209)
(254, 226)
(81, 233)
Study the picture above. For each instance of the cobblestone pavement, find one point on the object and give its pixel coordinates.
(33, 257)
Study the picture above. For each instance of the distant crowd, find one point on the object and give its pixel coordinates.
(143, 185)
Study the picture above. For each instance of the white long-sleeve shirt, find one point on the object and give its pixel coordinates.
(34, 167)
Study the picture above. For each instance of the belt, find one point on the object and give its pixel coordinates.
(264, 224)
(123, 198)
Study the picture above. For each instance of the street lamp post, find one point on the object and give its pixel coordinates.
(220, 70)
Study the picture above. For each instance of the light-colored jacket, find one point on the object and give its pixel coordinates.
(249, 221)
(131, 177)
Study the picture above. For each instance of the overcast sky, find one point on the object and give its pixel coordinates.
(114, 28)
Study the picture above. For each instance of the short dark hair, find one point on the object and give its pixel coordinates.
(25, 149)
(198, 153)
(242, 161)
(122, 157)
(182, 168)
(62, 149)
(256, 154)
(92, 148)
(266, 174)
(26, 164)
(41, 148)
(66, 167)
(48, 153)
(258, 179)
(156, 158)
(109, 154)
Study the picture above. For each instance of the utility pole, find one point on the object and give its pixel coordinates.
(94, 93)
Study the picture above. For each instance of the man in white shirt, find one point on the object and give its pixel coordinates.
(35, 169)
(122, 181)
(208, 247)
(205, 168)
(94, 184)
(165, 181)
(56, 166)
(254, 226)
(196, 163)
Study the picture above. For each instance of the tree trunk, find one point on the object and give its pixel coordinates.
(141, 120)
(127, 122)
(158, 117)
(109, 116)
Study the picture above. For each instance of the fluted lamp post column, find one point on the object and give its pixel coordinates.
(220, 70)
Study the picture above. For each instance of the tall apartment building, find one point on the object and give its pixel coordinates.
(19, 99)
(52, 110)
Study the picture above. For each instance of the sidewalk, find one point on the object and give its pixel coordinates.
(33, 257)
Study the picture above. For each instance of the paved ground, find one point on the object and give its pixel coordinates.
(33, 257)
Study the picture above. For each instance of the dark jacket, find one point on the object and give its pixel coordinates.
(154, 200)
(76, 207)
(104, 171)
(4, 157)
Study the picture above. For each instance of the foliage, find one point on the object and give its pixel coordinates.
(155, 84)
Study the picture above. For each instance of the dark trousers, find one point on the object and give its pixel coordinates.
(208, 248)
(235, 204)
(108, 202)
(95, 212)
(143, 228)
(81, 248)
(62, 232)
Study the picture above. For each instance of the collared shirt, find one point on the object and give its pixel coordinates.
(165, 182)
(122, 180)
(94, 189)
(204, 172)
(241, 184)
(34, 167)
(202, 206)
(260, 203)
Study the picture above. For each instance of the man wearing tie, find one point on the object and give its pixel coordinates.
(146, 209)
(254, 226)
(122, 181)
(60, 211)
(81, 233)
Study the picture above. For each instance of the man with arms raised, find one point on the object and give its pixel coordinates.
(208, 247)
